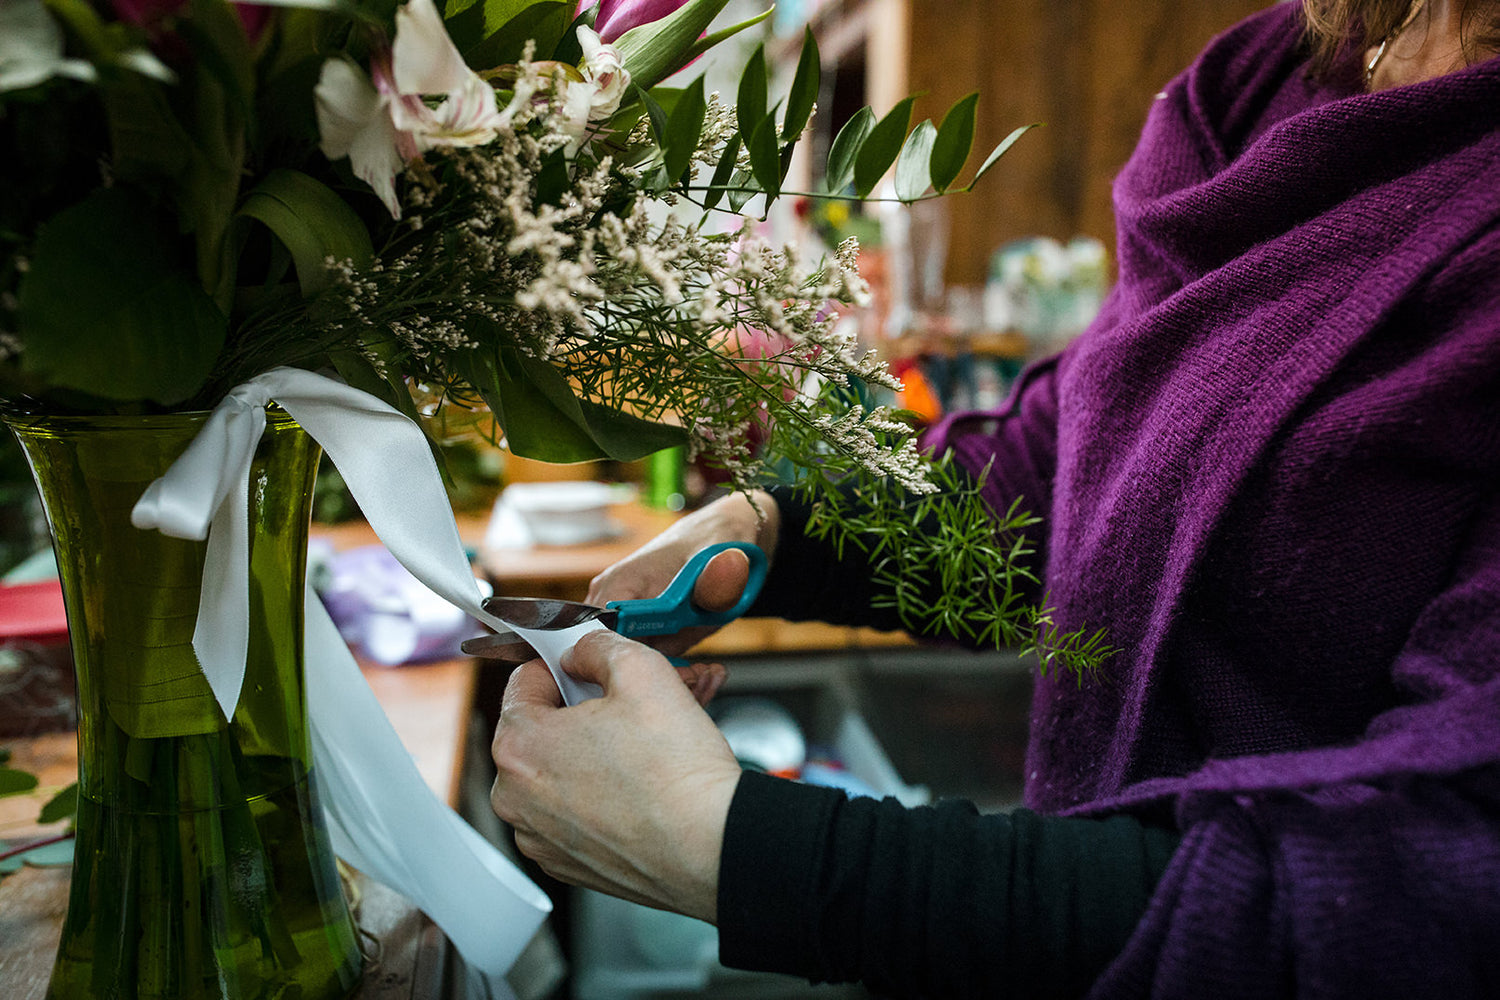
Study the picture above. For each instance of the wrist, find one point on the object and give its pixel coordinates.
(752, 516)
(706, 821)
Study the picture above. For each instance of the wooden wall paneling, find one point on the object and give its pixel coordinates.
(1087, 68)
(1137, 49)
(996, 48)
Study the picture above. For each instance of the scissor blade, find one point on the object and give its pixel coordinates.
(505, 646)
(544, 612)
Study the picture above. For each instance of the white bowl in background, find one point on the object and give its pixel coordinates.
(564, 513)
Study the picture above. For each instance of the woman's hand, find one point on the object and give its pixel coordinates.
(626, 793)
(647, 571)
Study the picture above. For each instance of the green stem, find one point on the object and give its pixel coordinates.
(202, 851)
(6, 855)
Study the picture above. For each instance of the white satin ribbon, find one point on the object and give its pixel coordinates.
(385, 819)
(550, 645)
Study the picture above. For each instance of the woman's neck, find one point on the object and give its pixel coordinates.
(1430, 45)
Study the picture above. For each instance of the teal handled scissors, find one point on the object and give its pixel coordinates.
(667, 614)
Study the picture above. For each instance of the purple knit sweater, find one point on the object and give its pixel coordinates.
(1271, 469)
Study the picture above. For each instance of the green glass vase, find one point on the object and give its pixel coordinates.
(203, 869)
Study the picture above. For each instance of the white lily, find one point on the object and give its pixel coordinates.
(353, 121)
(31, 47)
(384, 123)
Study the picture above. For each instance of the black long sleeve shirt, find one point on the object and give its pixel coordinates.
(935, 901)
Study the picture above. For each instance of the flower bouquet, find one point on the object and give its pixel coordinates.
(500, 206)
(506, 207)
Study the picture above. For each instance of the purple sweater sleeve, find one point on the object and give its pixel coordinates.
(1017, 443)
(1365, 870)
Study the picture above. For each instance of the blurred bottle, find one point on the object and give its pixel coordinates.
(664, 487)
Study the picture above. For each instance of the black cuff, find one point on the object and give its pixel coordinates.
(768, 869)
(935, 901)
(809, 582)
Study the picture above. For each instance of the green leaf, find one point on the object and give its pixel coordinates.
(356, 368)
(569, 49)
(881, 147)
(312, 222)
(13, 782)
(221, 50)
(845, 149)
(109, 306)
(765, 158)
(683, 130)
(494, 33)
(750, 105)
(706, 42)
(955, 138)
(722, 173)
(628, 438)
(222, 104)
(652, 52)
(472, 23)
(998, 152)
(631, 112)
(544, 420)
(913, 174)
(535, 424)
(804, 92)
(63, 805)
(741, 189)
(655, 113)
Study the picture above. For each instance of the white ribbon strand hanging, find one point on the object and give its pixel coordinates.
(384, 818)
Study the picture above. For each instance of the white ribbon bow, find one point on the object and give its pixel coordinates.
(383, 817)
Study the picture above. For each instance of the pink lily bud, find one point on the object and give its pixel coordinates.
(147, 13)
(615, 17)
(254, 17)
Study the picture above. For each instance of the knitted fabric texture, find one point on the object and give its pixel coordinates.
(1270, 470)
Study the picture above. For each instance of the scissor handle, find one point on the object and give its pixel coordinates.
(674, 610)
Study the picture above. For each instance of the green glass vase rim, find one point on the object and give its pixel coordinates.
(20, 419)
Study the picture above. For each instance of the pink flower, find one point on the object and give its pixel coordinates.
(615, 17)
(147, 13)
(254, 17)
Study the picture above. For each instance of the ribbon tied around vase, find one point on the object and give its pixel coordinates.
(383, 817)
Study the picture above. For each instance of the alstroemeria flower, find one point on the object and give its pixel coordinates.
(603, 68)
(615, 17)
(31, 47)
(383, 123)
(589, 92)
